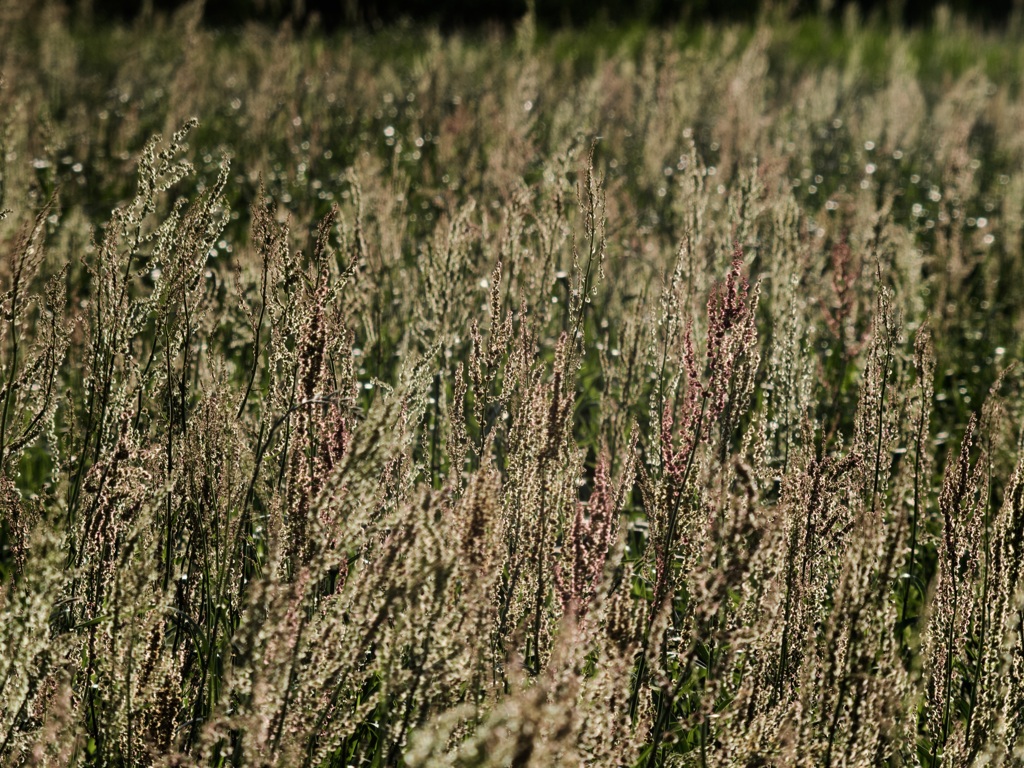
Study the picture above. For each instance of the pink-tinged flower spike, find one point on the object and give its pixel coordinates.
(586, 546)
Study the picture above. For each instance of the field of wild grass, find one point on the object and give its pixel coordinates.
(622, 397)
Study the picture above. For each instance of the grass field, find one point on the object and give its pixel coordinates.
(609, 397)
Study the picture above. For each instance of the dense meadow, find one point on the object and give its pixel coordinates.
(609, 397)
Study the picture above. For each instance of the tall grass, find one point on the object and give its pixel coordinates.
(469, 401)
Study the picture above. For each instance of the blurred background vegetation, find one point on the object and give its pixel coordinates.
(551, 13)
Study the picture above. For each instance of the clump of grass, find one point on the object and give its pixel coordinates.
(484, 407)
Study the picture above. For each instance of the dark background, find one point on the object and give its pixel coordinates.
(332, 14)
